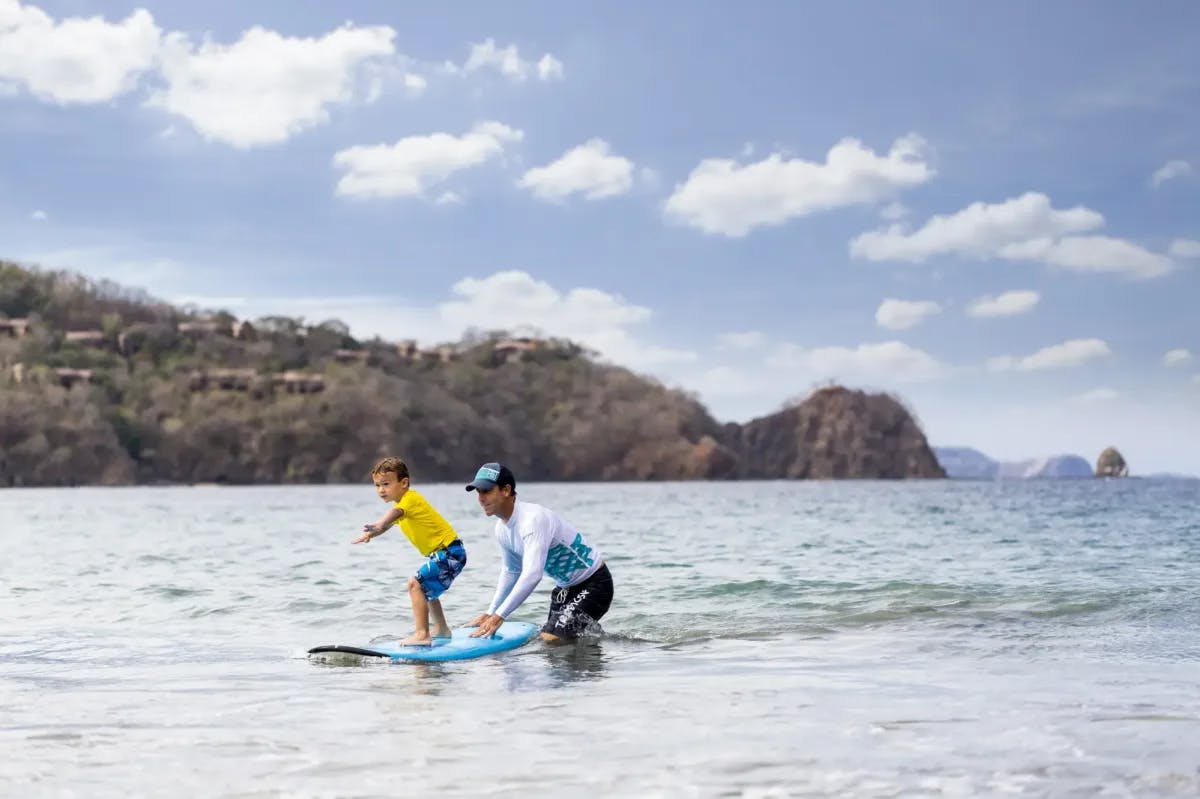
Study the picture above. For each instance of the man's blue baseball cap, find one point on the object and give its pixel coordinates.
(491, 475)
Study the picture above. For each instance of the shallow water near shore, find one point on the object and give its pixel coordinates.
(767, 639)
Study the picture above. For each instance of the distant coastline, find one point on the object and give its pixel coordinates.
(967, 463)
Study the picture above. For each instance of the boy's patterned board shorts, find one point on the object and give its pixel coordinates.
(437, 573)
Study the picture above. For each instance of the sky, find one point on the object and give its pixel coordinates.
(991, 211)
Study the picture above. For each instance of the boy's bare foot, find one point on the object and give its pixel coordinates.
(416, 639)
(442, 632)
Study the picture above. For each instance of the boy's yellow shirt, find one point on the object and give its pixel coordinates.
(423, 525)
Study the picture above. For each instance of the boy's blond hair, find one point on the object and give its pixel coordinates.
(393, 465)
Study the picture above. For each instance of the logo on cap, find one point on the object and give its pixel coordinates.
(487, 473)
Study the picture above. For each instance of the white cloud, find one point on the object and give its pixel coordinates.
(889, 361)
(549, 68)
(740, 342)
(893, 211)
(979, 230)
(265, 87)
(380, 75)
(1184, 248)
(1097, 395)
(76, 60)
(414, 83)
(1101, 254)
(1177, 357)
(903, 314)
(508, 62)
(39, 216)
(595, 318)
(588, 169)
(414, 164)
(722, 196)
(1170, 171)
(1010, 303)
(1074, 352)
(449, 198)
(1025, 228)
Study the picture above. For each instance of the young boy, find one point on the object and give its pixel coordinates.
(431, 535)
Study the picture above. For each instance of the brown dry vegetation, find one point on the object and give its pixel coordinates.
(158, 408)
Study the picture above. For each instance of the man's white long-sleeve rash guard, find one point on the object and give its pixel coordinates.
(536, 540)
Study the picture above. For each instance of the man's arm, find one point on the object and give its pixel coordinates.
(532, 567)
(379, 527)
(508, 578)
(489, 622)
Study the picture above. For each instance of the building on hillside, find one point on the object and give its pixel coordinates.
(14, 328)
(352, 356)
(199, 328)
(507, 350)
(298, 382)
(69, 378)
(224, 380)
(64, 376)
(86, 338)
(442, 354)
(407, 350)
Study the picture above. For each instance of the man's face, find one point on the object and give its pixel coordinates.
(492, 499)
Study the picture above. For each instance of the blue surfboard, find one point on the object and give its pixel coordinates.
(459, 647)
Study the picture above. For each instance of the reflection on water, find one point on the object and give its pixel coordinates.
(583, 661)
(543, 667)
(537, 666)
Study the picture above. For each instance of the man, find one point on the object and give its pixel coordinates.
(533, 540)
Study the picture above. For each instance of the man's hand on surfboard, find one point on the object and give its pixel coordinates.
(487, 624)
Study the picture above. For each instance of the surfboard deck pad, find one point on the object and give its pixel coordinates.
(461, 646)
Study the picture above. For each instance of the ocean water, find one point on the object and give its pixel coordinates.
(768, 639)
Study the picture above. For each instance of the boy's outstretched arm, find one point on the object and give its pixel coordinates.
(379, 527)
